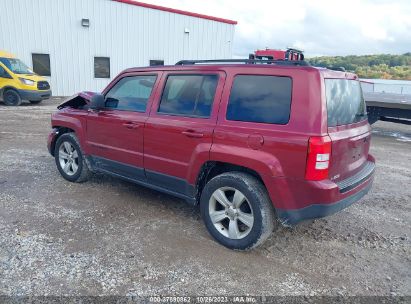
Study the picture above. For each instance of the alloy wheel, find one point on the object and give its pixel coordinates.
(68, 158)
(231, 213)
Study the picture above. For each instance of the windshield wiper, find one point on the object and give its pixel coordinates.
(23, 73)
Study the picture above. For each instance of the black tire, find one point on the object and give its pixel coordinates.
(11, 98)
(256, 197)
(82, 173)
(35, 101)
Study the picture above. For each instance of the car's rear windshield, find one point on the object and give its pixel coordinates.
(345, 102)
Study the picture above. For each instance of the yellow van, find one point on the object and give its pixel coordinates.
(18, 82)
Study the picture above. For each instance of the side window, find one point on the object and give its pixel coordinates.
(189, 95)
(131, 93)
(264, 99)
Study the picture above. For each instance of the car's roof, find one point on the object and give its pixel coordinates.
(326, 73)
(215, 67)
(5, 54)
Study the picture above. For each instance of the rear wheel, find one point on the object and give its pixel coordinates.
(11, 98)
(237, 211)
(70, 160)
(35, 101)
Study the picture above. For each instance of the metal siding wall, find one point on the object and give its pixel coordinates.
(129, 35)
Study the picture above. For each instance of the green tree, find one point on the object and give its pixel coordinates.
(369, 66)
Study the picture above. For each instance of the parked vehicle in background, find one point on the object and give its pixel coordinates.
(251, 141)
(18, 82)
(272, 54)
(388, 102)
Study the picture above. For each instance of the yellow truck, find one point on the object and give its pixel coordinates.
(18, 82)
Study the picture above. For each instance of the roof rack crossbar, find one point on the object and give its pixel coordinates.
(247, 61)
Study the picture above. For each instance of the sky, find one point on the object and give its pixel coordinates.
(319, 27)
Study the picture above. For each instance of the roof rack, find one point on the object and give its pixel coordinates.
(341, 69)
(246, 61)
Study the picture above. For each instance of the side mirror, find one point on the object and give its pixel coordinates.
(97, 102)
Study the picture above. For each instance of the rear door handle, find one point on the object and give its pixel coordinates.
(131, 125)
(191, 133)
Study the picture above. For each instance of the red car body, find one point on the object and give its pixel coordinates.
(171, 153)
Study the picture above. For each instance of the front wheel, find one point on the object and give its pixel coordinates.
(70, 160)
(11, 98)
(237, 210)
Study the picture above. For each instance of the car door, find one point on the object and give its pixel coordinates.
(5, 78)
(115, 133)
(178, 133)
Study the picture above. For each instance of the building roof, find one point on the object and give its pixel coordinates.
(176, 11)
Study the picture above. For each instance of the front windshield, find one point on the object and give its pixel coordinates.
(16, 66)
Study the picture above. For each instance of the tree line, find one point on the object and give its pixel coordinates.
(369, 66)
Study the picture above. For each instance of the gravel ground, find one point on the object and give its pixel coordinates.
(110, 237)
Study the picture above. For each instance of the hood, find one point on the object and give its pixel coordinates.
(77, 100)
(33, 77)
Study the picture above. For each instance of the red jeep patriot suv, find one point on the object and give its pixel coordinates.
(250, 141)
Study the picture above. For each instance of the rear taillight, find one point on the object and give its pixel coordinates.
(318, 158)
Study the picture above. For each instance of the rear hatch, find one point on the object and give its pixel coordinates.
(348, 129)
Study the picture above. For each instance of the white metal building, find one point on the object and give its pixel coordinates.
(82, 44)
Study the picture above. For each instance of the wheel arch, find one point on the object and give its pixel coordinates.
(9, 88)
(69, 123)
(60, 131)
(211, 169)
(6, 88)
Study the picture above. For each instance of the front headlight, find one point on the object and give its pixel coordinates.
(27, 81)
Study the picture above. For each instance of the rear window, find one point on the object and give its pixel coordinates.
(258, 98)
(345, 102)
(189, 95)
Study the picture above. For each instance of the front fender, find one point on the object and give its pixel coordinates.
(76, 123)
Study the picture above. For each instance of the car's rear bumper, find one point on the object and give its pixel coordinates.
(34, 95)
(292, 217)
(296, 200)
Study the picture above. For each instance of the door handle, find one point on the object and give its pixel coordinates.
(191, 133)
(131, 125)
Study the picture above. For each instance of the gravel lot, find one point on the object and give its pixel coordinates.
(110, 237)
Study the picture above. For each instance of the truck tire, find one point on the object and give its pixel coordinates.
(11, 98)
(70, 159)
(237, 210)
